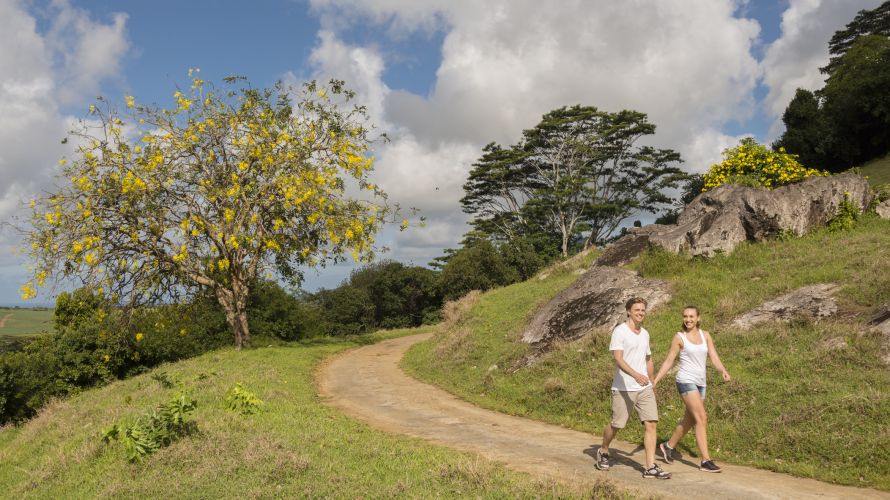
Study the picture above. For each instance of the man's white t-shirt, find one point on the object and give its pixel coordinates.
(636, 348)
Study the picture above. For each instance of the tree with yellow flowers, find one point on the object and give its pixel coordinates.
(208, 194)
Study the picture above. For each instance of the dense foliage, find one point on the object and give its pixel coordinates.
(572, 179)
(93, 343)
(847, 122)
(385, 294)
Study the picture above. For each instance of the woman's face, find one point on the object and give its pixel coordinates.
(690, 318)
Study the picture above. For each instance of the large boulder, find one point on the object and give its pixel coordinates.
(629, 246)
(719, 220)
(812, 302)
(595, 301)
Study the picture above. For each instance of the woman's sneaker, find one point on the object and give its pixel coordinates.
(666, 452)
(709, 466)
(656, 473)
(602, 460)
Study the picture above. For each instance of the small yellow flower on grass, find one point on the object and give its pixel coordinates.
(139, 337)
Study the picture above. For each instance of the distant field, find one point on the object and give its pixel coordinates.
(27, 322)
(878, 171)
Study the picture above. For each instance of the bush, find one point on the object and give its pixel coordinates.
(241, 400)
(274, 312)
(154, 429)
(93, 345)
(753, 164)
(478, 266)
(846, 216)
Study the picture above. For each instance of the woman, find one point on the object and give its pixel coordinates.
(694, 346)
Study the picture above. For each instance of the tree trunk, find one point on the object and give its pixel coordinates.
(234, 303)
(565, 243)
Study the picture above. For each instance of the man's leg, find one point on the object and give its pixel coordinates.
(649, 438)
(647, 409)
(621, 405)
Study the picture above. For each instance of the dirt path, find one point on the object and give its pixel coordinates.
(3, 320)
(368, 384)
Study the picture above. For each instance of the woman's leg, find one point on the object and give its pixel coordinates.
(681, 429)
(696, 408)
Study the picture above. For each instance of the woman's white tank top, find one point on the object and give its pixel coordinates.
(693, 358)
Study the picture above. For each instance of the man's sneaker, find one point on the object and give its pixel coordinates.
(656, 473)
(602, 460)
(666, 452)
(709, 466)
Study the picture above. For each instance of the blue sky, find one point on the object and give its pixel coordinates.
(442, 78)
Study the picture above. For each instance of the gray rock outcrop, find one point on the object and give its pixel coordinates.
(595, 301)
(719, 220)
(812, 302)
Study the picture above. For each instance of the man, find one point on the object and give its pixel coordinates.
(632, 387)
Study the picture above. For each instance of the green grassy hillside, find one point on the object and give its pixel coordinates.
(794, 405)
(294, 446)
(878, 171)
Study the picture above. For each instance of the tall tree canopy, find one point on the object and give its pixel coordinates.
(209, 194)
(857, 101)
(866, 22)
(846, 123)
(578, 172)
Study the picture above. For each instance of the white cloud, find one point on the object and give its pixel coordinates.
(793, 60)
(39, 74)
(687, 63)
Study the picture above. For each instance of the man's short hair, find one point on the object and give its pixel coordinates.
(635, 300)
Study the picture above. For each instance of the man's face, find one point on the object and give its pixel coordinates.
(637, 312)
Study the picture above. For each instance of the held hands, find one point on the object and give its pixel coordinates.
(641, 379)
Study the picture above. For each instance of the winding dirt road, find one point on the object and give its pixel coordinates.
(367, 384)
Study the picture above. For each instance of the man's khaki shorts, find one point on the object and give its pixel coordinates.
(642, 401)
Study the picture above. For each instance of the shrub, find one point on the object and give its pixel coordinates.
(846, 216)
(154, 429)
(753, 164)
(241, 400)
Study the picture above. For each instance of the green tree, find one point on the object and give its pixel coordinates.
(273, 311)
(221, 188)
(348, 310)
(808, 133)
(384, 294)
(477, 266)
(857, 101)
(579, 171)
(866, 22)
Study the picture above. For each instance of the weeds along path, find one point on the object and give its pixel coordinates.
(368, 384)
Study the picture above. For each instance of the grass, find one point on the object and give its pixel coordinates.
(794, 405)
(20, 325)
(293, 447)
(878, 171)
(25, 322)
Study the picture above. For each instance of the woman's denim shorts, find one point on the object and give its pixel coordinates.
(683, 388)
